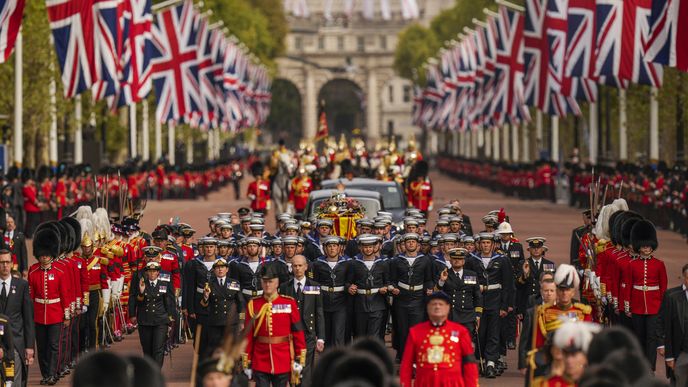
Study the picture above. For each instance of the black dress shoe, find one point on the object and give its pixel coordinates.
(43, 381)
(490, 373)
(51, 381)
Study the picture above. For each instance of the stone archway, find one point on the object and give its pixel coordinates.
(344, 104)
(286, 112)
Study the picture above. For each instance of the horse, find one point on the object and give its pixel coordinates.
(281, 184)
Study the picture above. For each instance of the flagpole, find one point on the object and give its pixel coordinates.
(510, 5)
(133, 151)
(52, 136)
(78, 132)
(170, 141)
(525, 157)
(592, 137)
(211, 147)
(538, 130)
(515, 152)
(623, 137)
(496, 139)
(158, 7)
(145, 127)
(190, 150)
(506, 140)
(18, 102)
(555, 138)
(654, 126)
(158, 139)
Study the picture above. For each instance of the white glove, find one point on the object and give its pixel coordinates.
(297, 367)
(84, 309)
(106, 298)
(179, 301)
(248, 372)
(252, 196)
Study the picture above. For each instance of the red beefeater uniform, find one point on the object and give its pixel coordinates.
(646, 280)
(443, 356)
(268, 347)
(49, 290)
(301, 187)
(259, 193)
(420, 194)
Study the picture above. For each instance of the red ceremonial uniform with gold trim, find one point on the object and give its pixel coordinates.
(49, 290)
(259, 191)
(420, 194)
(268, 347)
(646, 280)
(550, 317)
(558, 381)
(443, 356)
(301, 187)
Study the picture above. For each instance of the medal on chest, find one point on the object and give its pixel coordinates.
(436, 351)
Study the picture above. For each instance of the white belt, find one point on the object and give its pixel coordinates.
(645, 288)
(253, 293)
(332, 289)
(47, 301)
(491, 287)
(410, 288)
(368, 292)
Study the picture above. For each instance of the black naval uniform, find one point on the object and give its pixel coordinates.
(408, 307)
(310, 303)
(369, 304)
(527, 286)
(334, 287)
(222, 311)
(467, 301)
(196, 275)
(497, 285)
(249, 280)
(514, 252)
(154, 310)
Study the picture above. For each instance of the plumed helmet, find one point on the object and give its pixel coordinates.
(566, 277)
(575, 335)
(86, 232)
(46, 242)
(643, 233)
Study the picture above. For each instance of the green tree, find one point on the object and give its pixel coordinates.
(416, 45)
(451, 22)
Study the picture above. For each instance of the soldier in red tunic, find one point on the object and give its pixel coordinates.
(441, 350)
(259, 189)
(646, 278)
(419, 190)
(301, 187)
(276, 346)
(51, 297)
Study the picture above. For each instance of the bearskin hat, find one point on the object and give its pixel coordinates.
(66, 237)
(257, 168)
(626, 228)
(617, 228)
(612, 223)
(616, 337)
(46, 242)
(644, 233)
(346, 167)
(421, 168)
(376, 348)
(76, 227)
(359, 367)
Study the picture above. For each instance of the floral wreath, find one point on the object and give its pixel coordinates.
(339, 205)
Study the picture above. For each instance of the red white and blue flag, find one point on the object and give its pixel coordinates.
(175, 63)
(579, 57)
(623, 28)
(668, 40)
(206, 73)
(11, 12)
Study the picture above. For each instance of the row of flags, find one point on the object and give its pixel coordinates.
(409, 8)
(552, 57)
(120, 51)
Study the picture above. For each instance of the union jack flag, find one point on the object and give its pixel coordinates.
(488, 36)
(106, 34)
(231, 81)
(417, 106)
(175, 63)
(579, 58)
(448, 73)
(73, 25)
(508, 103)
(11, 12)
(432, 95)
(622, 32)
(545, 42)
(206, 72)
(667, 43)
(136, 49)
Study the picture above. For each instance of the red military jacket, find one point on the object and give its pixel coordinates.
(169, 263)
(623, 262)
(259, 193)
(443, 356)
(276, 323)
(97, 271)
(68, 277)
(604, 267)
(419, 194)
(30, 199)
(646, 281)
(301, 187)
(550, 317)
(188, 252)
(49, 290)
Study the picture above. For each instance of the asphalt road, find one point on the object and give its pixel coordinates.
(528, 218)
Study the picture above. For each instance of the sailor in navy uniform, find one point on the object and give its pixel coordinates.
(223, 305)
(461, 285)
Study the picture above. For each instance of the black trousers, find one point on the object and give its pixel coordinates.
(65, 347)
(75, 336)
(488, 335)
(507, 331)
(644, 326)
(406, 316)
(335, 327)
(369, 324)
(267, 380)
(47, 348)
(153, 338)
(90, 337)
(307, 373)
(211, 338)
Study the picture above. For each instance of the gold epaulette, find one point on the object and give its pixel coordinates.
(587, 309)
